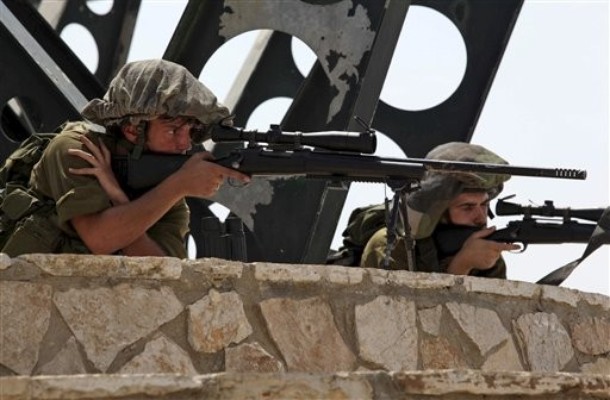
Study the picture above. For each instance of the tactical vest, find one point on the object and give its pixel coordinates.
(25, 218)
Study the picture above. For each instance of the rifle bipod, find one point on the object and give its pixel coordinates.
(397, 213)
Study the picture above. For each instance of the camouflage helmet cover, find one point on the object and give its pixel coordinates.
(144, 90)
(427, 205)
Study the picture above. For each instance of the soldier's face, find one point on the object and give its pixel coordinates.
(169, 135)
(469, 209)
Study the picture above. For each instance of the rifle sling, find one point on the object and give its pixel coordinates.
(600, 236)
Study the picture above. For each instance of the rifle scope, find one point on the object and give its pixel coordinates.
(353, 142)
(548, 210)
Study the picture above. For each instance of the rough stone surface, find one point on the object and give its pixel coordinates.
(417, 280)
(439, 353)
(250, 357)
(273, 337)
(592, 336)
(506, 358)
(67, 362)
(216, 321)
(430, 320)
(344, 275)
(560, 295)
(160, 355)
(503, 287)
(25, 310)
(306, 334)
(105, 320)
(286, 273)
(446, 385)
(216, 269)
(481, 325)
(159, 268)
(546, 342)
(601, 366)
(387, 333)
(5, 261)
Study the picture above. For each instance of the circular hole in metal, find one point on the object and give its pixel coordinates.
(228, 62)
(428, 63)
(304, 57)
(269, 112)
(100, 7)
(82, 43)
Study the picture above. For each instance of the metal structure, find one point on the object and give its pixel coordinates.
(42, 84)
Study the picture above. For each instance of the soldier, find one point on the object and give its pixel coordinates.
(447, 200)
(151, 106)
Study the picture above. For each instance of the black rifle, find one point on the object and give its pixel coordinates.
(549, 230)
(340, 159)
(335, 156)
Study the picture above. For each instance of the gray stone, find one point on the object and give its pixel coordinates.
(386, 329)
(416, 280)
(67, 362)
(288, 273)
(600, 366)
(344, 275)
(546, 343)
(216, 321)
(592, 335)
(596, 299)
(25, 312)
(106, 320)
(560, 295)
(160, 355)
(216, 269)
(505, 358)
(430, 319)
(481, 325)
(159, 268)
(112, 386)
(250, 357)
(288, 386)
(502, 287)
(439, 353)
(305, 333)
(5, 261)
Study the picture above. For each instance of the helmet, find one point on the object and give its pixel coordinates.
(427, 204)
(144, 90)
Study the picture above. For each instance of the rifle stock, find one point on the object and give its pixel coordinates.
(450, 239)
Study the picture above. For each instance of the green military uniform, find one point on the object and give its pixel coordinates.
(76, 195)
(141, 91)
(426, 206)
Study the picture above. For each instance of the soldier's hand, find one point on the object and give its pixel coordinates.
(479, 253)
(201, 177)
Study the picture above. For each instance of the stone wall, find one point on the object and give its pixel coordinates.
(120, 316)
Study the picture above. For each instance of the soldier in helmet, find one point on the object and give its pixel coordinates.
(151, 106)
(447, 200)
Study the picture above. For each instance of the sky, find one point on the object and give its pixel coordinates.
(547, 107)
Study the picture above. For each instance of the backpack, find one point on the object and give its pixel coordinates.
(363, 222)
(16, 199)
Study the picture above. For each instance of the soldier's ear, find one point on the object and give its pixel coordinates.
(130, 131)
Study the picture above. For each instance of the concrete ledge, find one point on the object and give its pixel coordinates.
(448, 385)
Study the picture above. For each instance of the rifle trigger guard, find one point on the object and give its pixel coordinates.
(521, 250)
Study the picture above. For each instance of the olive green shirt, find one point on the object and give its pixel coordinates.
(77, 195)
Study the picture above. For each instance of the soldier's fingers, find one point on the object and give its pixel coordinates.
(83, 171)
(233, 174)
(92, 147)
(105, 152)
(90, 158)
